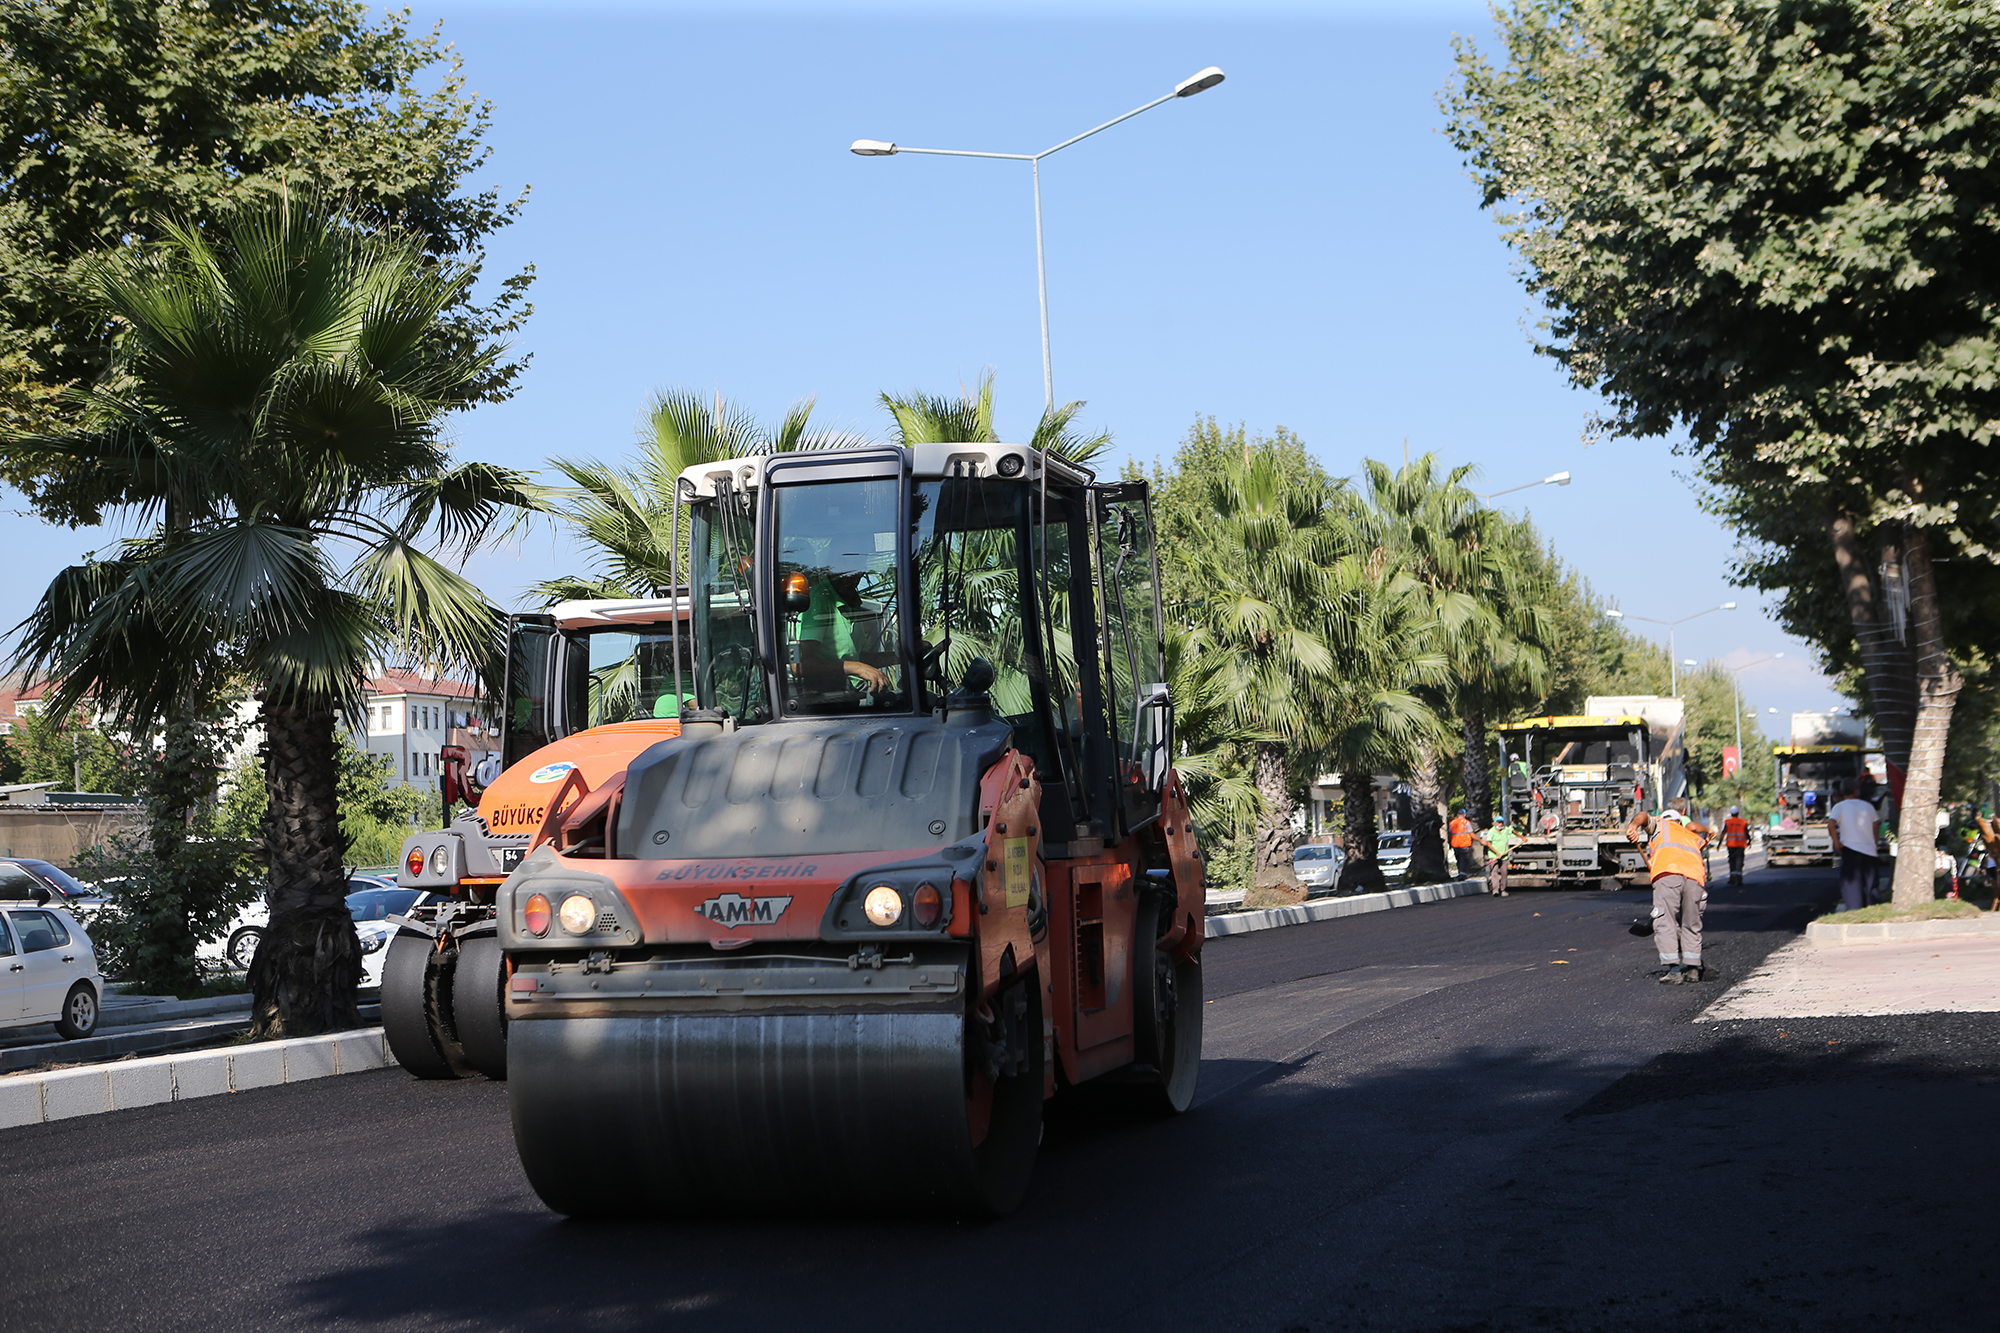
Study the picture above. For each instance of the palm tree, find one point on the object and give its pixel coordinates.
(1273, 542)
(1450, 549)
(625, 515)
(968, 419)
(273, 412)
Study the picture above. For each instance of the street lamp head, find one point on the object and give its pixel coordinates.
(1614, 613)
(1198, 82)
(871, 148)
(1559, 479)
(1689, 661)
(1729, 606)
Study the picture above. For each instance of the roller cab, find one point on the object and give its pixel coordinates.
(915, 862)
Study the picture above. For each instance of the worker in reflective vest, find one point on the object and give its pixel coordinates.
(1461, 845)
(1679, 866)
(1736, 841)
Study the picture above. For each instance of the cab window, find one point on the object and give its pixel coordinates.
(17, 884)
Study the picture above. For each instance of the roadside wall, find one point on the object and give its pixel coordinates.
(58, 833)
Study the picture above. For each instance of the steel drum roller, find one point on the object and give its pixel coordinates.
(704, 1113)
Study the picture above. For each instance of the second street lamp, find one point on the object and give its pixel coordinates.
(1199, 82)
(1673, 665)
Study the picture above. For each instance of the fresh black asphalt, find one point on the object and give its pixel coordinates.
(1480, 1114)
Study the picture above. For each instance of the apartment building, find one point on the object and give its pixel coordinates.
(410, 718)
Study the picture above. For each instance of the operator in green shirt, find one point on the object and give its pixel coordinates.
(1499, 844)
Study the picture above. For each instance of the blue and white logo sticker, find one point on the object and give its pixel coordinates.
(551, 772)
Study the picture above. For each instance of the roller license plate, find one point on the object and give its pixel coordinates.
(510, 857)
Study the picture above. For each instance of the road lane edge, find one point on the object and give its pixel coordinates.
(39, 1096)
(1328, 909)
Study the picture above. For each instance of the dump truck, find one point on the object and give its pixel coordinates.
(1825, 751)
(917, 861)
(584, 687)
(1572, 783)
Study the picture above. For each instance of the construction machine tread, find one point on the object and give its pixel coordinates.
(479, 1003)
(416, 983)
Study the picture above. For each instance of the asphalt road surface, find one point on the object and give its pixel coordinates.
(1480, 1114)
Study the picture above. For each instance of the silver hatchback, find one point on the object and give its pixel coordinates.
(1318, 864)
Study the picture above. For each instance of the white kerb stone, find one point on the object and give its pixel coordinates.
(141, 1082)
(68, 1092)
(256, 1066)
(201, 1074)
(20, 1100)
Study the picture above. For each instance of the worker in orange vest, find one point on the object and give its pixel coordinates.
(1677, 857)
(1461, 845)
(1736, 841)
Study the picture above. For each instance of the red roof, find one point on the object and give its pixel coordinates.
(409, 682)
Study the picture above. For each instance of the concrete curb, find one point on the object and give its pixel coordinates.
(1825, 933)
(28, 1099)
(1327, 909)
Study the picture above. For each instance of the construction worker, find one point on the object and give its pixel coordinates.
(1676, 856)
(1499, 844)
(1736, 841)
(1461, 844)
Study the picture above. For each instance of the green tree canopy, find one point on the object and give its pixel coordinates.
(1771, 224)
(116, 115)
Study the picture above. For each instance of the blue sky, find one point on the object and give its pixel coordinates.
(1299, 246)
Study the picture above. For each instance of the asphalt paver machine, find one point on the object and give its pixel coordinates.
(1572, 784)
(585, 686)
(917, 860)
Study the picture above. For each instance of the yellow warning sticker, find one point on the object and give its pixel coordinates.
(1017, 856)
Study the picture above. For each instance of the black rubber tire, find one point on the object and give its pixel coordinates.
(254, 936)
(416, 989)
(479, 1004)
(1004, 1164)
(1166, 1022)
(79, 1012)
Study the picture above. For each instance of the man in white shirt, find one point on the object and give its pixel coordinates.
(1856, 830)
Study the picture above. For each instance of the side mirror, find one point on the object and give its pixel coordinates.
(978, 677)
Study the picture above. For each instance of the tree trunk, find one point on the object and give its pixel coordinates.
(1427, 853)
(303, 979)
(1887, 666)
(1938, 684)
(1478, 783)
(1360, 874)
(1272, 860)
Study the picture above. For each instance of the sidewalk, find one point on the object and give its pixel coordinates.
(1904, 977)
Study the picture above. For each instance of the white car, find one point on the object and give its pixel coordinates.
(371, 900)
(1318, 864)
(1392, 854)
(48, 970)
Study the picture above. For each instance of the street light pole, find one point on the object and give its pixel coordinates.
(1199, 82)
(1673, 662)
(1736, 683)
(1559, 479)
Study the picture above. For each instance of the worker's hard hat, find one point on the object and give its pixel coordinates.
(1735, 810)
(1677, 816)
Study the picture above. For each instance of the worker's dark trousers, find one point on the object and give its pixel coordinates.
(1736, 864)
(1465, 867)
(1860, 879)
(1677, 904)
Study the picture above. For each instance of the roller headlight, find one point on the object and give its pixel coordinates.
(927, 905)
(883, 906)
(578, 914)
(440, 858)
(536, 913)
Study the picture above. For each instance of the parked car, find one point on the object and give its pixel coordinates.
(1318, 864)
(48, 967)
(1392, 853)
(20, 876)
(372, 901)
(238, 945)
